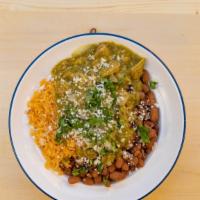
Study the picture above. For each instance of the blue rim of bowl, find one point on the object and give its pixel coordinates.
(89, 34)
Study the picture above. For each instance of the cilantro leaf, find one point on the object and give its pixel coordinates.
(95, 121)
(109, 85)
(75, 172)
(83, 170)
(143, 132)
(106, 181)
(153, 84)
(100, 167)
(93, 98)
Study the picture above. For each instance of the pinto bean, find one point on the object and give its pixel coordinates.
(94, 174)
(153, 133)
(140, 155)
(149, 147)
(98, 180)
(105, 171)
(154, 115)
(117, 176)
(88, 181)
(89, 175)
(74, 179)
(119, 162)
(140, 163)
(149, 124)
(151, 97)
(135, 161)
(125, 167)
(145, 76)
(150, 144)
(145, 88)
(136, 153)
(142, 95)
(82, 175)
(111, 168)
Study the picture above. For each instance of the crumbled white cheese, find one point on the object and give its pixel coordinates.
(77, 79)
(118, 58)
(91, 57)
(108, 145)
(108, 100)
(120, 99)
(92, 79)
(97, 160)
(126, 155)
(103, 63)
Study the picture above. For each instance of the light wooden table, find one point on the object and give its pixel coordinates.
(26, 30)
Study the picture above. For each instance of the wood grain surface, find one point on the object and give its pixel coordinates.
(173, 37)
(124, 6)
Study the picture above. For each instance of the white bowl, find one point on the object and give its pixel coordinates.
(141, 182)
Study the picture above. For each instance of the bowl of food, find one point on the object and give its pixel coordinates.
(97, 116)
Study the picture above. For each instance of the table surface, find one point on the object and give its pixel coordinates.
(171, 31)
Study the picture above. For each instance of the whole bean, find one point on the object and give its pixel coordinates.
(145, 76)
(140, 155)
(151, 97)
(136, 153)
(142, 95)
(94, 173)
(135, 160)
(111, 168)
(141, 163)
(125, 167)
(153, 133)
(98, 180)
(154, 114)
(73, 179)
(89, 175)
(105, 171)
(149, 124)
(117, 176)
(119, 162)
(88, 181)
(145, 88)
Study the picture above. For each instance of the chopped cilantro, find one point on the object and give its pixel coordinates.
(109, 85)
(68, 122)
(91, 162)
(108, 114)
(79, 171)
(83, 170)
(153, 84)
(103, 152)
(100, 167)
(95, 121)
(106, 181)
(143, 132)
(93, 98)
(75, 172)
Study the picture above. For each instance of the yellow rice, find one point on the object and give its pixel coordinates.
(42, 115)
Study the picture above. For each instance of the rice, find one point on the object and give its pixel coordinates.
(42, 116)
